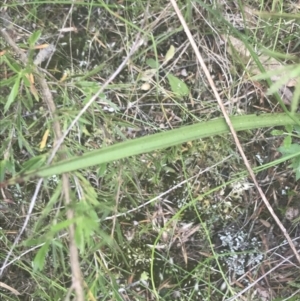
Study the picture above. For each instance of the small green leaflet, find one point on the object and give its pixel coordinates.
(144, 276)
(170, 54)
(293, 149)
(178, 86)
(2, 169)
(13, 94)
(152, 63)
(34, 38)
(39, 259)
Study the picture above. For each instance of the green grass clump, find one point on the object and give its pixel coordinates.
(157, 200)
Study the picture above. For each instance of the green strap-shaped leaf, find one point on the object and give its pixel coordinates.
(159, 141)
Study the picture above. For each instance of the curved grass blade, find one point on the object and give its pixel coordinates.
(155, 142)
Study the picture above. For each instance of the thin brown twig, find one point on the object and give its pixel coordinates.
(232, 130)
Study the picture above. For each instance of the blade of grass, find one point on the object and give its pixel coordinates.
(155, 142)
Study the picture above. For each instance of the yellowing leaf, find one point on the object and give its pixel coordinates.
(33, 90)
(44, 140)
(42, 46)
(64, 77)
(169, 54)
